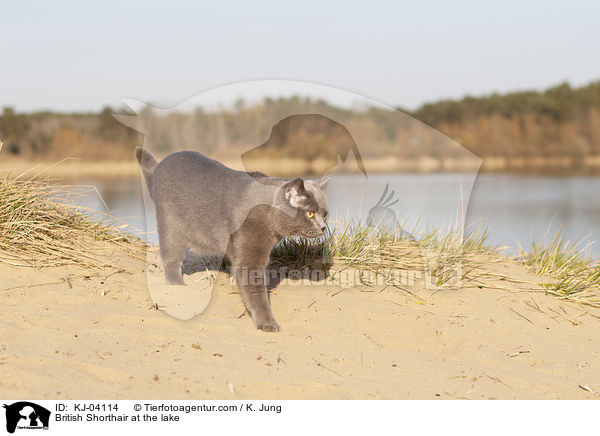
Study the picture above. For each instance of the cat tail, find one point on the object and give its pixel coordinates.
(147, 163)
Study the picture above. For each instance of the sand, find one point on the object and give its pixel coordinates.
(98, 335)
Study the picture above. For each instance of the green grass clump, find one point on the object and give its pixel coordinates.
(575, 274)
(450, 254)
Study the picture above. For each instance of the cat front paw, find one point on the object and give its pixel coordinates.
(268, 326)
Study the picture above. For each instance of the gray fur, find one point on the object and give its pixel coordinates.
(206, 207)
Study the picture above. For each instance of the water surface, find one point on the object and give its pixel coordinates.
(517, 209)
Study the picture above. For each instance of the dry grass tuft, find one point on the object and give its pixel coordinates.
(447, 260)
(39, 228)
(575, 275)
(441, 259)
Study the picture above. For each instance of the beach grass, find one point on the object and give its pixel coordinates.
(447, 259)
(443, 258)
(575, 274)
(39, 227)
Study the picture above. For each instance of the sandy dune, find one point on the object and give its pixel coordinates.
(99, 337)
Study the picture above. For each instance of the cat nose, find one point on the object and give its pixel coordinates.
(323, 228)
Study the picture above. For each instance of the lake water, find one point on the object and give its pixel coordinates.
(516, 209)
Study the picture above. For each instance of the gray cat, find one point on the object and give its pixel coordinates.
(206, 207)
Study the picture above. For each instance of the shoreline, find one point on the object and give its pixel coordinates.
(80, 168)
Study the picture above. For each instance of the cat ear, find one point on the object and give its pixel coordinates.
(295, 192)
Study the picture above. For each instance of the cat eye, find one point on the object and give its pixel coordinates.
(310, 215)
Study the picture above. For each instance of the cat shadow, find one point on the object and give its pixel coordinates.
(194, 263)
(295, 261)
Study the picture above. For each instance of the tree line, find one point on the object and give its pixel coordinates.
(561, 122)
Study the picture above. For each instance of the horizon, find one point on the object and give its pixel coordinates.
(258, 99)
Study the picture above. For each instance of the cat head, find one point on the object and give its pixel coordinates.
(309, 208)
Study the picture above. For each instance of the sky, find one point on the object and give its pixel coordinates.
(78, 56)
